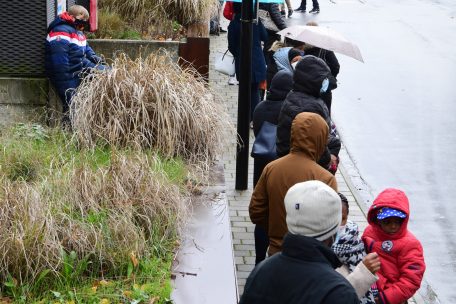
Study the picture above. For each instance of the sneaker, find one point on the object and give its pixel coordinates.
(290, 12)
(222, 30)
(233, 81)
(315, 10)
(300, 9)
(282, 13)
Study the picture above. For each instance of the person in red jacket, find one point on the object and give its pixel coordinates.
(401, 253)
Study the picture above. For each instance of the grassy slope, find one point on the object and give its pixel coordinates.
(36, 160)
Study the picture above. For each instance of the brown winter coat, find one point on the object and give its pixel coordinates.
(309, 133)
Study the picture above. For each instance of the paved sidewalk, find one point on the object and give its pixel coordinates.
(241, 226)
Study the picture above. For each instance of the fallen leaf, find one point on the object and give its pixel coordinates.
(133, 259)
(127, 293)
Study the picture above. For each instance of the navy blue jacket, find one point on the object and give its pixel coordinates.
(303, 273)
(234, 46)
(67, 55)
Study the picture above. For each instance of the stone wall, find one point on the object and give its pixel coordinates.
(23, 99)
(133, 48)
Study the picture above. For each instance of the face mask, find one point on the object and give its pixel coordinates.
(294, 64)
(80, 24)
(324, 85)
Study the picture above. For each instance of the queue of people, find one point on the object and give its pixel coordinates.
(307, 248)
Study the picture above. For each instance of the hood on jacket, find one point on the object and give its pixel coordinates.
(281, 84)
(281, 59)
(63, 18)
(309, 134)
(392, 198)
(309, 75)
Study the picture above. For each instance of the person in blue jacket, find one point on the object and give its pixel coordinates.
(68, 55)
(258, 61)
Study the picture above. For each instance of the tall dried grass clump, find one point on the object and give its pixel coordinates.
(28, 235)
(152, 103)
(185, 11)
(103, 214)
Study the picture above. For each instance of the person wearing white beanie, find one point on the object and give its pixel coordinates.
(305, 215)
(304, 272)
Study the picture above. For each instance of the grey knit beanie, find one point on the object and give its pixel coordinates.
(313, 209)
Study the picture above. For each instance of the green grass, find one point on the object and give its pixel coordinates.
(52, 189)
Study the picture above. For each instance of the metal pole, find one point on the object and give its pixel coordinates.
(244, 96)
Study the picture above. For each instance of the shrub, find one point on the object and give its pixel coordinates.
(153, 104)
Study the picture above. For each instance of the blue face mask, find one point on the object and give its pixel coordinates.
(324, 85)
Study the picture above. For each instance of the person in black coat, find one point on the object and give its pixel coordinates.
(331, 60)
(268, 110)
(304, 272)
(274, 12)
(258, 61)
(311, 77)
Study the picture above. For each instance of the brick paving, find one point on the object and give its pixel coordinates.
(241, 226)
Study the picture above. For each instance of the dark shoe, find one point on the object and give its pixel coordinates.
(222, 30)
(282, 13)
(315, 10)
(290, 12)
(300, 9)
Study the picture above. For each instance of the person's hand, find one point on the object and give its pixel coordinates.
(377, 300)
(333, 164)
(334, 160)
(372, 262)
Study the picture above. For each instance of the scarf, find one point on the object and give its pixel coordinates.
(350, 250)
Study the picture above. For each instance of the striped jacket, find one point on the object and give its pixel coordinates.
(67, 55)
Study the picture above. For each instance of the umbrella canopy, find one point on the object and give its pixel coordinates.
(323, 37)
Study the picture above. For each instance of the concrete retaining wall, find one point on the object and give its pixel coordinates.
(133, 48)
(23, 99)
(30, 99)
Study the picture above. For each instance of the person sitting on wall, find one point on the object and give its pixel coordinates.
(68, 55)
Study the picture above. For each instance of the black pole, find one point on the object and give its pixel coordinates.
(244, 95)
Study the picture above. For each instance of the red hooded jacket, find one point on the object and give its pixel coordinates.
(401, 254)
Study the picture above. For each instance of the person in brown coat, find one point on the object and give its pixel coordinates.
(309, 134)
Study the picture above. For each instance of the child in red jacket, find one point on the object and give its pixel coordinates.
(401, 254)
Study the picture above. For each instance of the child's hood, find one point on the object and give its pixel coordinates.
(392, 198)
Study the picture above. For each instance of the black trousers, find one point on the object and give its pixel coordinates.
(314, 2)
(261, 235)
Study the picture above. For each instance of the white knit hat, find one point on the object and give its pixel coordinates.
(313, 209)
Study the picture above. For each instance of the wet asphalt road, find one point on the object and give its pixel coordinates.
(397, 112)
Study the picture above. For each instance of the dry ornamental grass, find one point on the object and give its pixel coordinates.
(184, 11)
(151, 103)
(101, 214)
